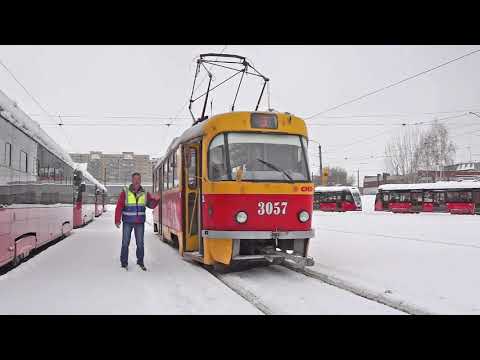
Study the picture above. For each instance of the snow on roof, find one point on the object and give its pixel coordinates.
(13, 114)
(82, 167)
(432, 186)
(335, 188)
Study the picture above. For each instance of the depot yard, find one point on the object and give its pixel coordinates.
(419, 261)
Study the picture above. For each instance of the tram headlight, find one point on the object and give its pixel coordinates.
(303, 216)
(241, 217)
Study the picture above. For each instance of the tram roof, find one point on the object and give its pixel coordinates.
(83, 168)
(432, 186)
(219, 123)
(10, 111)
(335, 188)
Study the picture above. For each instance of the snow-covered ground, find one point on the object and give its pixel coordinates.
(429, 260)
(283, 291)
(81, 275)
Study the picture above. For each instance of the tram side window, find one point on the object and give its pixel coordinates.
(217, 169)
(404, 197)
(428, 197)
(460, 196)
(165, 176)
(8, 154)
(348, 197)
(192, 168)
(177, 156)
(418, 197)
(23, 161)
(173, 177)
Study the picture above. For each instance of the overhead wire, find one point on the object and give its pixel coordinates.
(370, 93)
(35, 100)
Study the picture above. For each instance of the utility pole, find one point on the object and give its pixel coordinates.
(358, 179)
(320, 159)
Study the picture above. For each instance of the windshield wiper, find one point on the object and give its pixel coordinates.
(275, 168)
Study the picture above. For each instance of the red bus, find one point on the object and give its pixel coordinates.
(455, 197)
(337, 198)
(36, 186)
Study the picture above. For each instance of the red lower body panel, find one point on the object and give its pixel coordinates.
(23, 229)
(83, 214)
(404, 207)
(272, 212)
(461, 208)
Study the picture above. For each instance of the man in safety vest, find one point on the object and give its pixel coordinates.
(131, 206)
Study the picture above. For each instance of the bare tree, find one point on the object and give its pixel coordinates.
(401, 154)
(435, 148)
(414, 150)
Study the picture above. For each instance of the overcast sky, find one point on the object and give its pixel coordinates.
(97, 82)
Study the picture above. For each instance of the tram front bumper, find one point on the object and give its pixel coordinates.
(275, 256)
(255, 235)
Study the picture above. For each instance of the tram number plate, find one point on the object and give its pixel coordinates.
(272, 208)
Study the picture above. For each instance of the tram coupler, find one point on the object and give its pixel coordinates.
(296, 261)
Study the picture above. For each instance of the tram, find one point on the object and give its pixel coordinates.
(455, 197)
(337, 198)
(237, 187)
(36, 186)
(88, 198)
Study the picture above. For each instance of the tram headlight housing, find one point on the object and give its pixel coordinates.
(303, 216)
(241, 217)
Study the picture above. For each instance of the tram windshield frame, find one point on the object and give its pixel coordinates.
(258, 157)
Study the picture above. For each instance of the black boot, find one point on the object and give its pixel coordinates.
(125, 266)
(142, 267)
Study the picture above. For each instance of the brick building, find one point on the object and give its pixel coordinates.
(116, 168)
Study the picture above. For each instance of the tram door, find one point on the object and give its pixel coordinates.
(192, 185)
(439, 204)
(417, 201)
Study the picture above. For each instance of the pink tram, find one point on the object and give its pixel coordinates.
(89, 198)
(337, 198)
(36, 186)
(455, 197)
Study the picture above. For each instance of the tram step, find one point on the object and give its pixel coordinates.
(194, 255)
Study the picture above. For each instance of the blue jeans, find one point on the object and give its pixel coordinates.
(127, 233)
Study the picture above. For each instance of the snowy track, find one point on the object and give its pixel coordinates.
(277, 290)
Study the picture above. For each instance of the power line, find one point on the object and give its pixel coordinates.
(136, 117)
(392, 85)
(395, 115)
(117, 124)
(33, 98)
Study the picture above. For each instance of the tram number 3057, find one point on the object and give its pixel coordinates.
(269, 208)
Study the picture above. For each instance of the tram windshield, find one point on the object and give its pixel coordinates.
(258, 157)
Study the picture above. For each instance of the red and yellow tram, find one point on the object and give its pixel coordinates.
(237, 188)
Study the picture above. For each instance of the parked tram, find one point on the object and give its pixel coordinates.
(237, 188)
(455, 197)
(337, 198)
(89, 198)
(36, 186)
